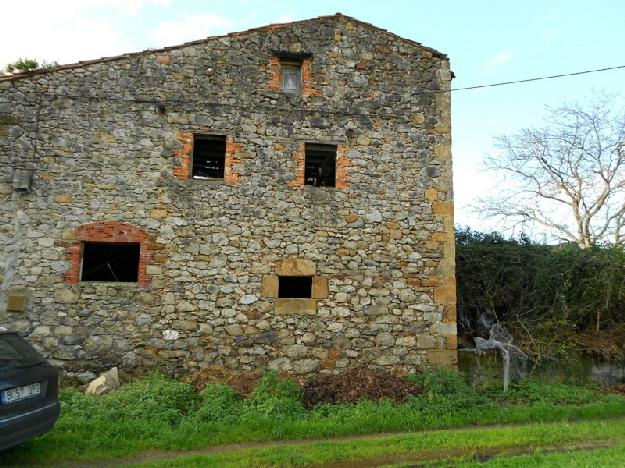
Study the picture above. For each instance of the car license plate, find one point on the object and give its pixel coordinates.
(19, 393)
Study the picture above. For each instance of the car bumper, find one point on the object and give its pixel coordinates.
(21, 427)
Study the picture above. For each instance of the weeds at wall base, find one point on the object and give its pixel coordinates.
(158, 413)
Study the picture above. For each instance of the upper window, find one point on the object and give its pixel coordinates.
(320, 165)
(290, 76)
(209, 156)
(117, 262)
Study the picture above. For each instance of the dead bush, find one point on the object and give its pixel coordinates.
(242, 382)
(359, 383)
(617, 388)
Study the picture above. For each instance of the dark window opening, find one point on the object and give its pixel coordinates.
(320, 165)
(110, 262)
(295, 287)
(290, 76)
(292, 56)
(209, 156)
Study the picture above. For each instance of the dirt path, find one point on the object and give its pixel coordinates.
(414, 458)
(481, 454)
(156, 455)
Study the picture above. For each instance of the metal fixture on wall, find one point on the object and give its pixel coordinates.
(22, 180)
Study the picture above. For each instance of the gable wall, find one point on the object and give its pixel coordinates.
(381, 243)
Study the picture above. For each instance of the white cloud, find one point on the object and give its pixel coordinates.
(65, 34)
(498, 59)
(190, 27)
(74, 30)
(67, 31)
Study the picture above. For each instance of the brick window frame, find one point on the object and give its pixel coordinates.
(342, 164)
(274, 70)
(110, 232)
(209, 157)
(320, 165)
(183, 157)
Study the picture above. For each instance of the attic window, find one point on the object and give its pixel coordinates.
(115, 262)
(209, 156)
(295, 287)
(290, 76)
(320, 165)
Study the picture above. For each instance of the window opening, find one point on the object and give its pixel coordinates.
(116, 262)
(320, 165)
(295, 287)
(209, 156)
(290, 76)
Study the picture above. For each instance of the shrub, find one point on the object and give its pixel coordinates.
(441, 381)
(526, 392)
(76, 405)
(219, 403)
(447, 387)
(546, 294)
(154, 397)
(275, 397)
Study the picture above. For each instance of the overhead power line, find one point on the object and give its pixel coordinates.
(538, 78)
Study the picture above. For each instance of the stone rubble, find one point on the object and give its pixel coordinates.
(104, 383)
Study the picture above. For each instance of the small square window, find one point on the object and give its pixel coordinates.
(295, 287)
(320, 165)
(115, 262)
(209, 156)
(290, 76)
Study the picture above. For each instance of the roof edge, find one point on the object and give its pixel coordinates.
(433, 51)
(268, 27)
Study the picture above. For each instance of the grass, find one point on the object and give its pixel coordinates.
(453, 446)
(157, 413)
(572, 459)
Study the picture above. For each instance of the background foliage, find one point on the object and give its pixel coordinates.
(547, 295)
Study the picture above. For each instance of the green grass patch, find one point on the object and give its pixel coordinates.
(157, 413)
(571, 459)
(452, 446)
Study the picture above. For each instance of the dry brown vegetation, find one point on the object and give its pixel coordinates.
(242, 382)
(356, 384)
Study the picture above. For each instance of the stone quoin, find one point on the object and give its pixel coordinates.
(275, 198)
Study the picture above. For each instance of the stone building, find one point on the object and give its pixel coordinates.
(279, 197)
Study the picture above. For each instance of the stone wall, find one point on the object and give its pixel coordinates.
(109, 144)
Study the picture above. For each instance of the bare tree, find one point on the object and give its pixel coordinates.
(567, 176)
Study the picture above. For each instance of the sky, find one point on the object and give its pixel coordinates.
(486, 41)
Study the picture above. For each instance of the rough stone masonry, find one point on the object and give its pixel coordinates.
(102, 152)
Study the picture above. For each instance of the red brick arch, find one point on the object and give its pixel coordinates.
(110, 231)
